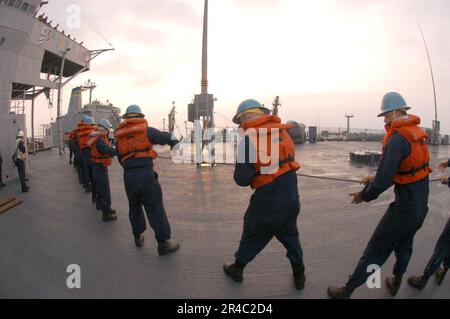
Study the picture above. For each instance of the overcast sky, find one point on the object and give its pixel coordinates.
(324, 58)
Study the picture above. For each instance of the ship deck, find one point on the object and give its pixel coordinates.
(57, 225)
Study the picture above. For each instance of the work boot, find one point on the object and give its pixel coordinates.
(393, 284)
(299, 276)
(139, 240)
(112, 212)
(166, 247)
(87, 188)
(440, 275)
(107, 217)
(418, 282)
(233, 271)
(94, 198)
(339, 292)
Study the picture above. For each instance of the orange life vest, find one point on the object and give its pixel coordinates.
(265, 127)
(132, 140)
(83, 132)
(417, 165)
(96, 156)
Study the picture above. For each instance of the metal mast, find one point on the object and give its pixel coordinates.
(201, 110)
(89, 86)
(349, 116)
(436, 124)
(204, 82)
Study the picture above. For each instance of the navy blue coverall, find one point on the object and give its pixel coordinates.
(71, 151)
(143, 189)
(403, 218)
(88, 178)
(77, 161)
(441, 254)
(101, 177)
(273, 212)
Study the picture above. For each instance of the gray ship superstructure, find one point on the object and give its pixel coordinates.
(35, 58)
(75, 112)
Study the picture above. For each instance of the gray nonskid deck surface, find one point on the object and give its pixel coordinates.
(58, 225)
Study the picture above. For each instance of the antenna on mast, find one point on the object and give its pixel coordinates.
(436, 124)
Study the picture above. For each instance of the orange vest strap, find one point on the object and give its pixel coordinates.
(137, 151)
(287, 160)
(414, 170)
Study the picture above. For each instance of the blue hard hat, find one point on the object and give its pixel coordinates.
(391, 102)
(104, 123)
(248, 105)
(133, 109)
(88, 120)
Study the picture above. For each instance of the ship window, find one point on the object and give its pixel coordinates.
(18, 4)
(31, 10)
(25, 6)
(11, 3)
(3, 1)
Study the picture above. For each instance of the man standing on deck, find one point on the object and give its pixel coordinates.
(275, 205)
(102, 154)
(111, 136)
(86, 127)
(79, 128)
(71, 148)
(77, 157)
(440, 260)
(134, 143)
(19, 158)
(405, 164)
